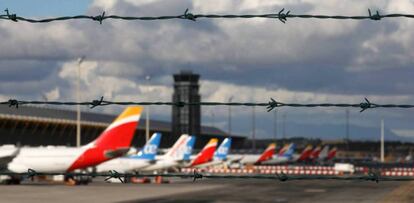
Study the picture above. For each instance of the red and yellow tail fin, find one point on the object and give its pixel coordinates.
(120, 133)
(268, 153)
(207, 153)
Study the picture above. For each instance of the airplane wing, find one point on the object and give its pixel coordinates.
(116, 153)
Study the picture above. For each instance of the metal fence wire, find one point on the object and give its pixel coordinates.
(272, 104)
(282, 16)
(282, 177)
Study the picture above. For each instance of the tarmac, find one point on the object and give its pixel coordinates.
(213, 191)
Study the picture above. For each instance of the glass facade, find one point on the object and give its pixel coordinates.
(186, 120)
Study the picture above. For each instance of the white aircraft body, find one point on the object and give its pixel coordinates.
(173, 157)
(112, 143)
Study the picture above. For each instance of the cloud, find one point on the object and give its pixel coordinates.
(251, 59)
(52, 95)
(404, 132)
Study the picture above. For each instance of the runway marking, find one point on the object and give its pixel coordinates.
(404, 193)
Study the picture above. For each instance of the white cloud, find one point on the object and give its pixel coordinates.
(52, 95)
(404, 132)
(304, 61)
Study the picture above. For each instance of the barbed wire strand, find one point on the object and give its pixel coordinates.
(123, 177)
(272, 104)
(281, 16)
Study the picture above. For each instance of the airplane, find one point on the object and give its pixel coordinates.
(315, 153)
(111, 143)
(305, 154)
(220, 155)
(284, 148)
(173, 157)
(145, 157)
(324, 153)
(206, 154)
(7, 154)
(257, 159)
(187, 152)
(331, 154)
(285, 155)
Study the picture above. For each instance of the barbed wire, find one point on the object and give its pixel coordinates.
(282, 177)
(272, 104)
(281, 16)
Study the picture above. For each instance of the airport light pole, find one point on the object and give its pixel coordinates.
(284, 127)
(253, 128)
(275, 124)
(347, 129)
(229, 123)
(213, 117)
(382, 140)
(147, 112)
(78, 114)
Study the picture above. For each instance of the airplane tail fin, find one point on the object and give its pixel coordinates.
(113, 142)
(207, 153)
(290, 150)
(189, 148)
(177, 150)
(324, 153)
(119, 134)
(315, 153)
(150, 149)
(305, 153)
(268, 153)
(283, 149)
(331, 154)
(223, 149)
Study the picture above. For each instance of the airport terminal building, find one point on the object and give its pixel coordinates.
(37, 126)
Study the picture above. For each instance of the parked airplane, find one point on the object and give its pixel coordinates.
(187, 152)
(305, 154)
(173, 157)
(257, 159)
(145, 157)
(315, 153)
(285, 155)
(324, 153)
(113, 142)
(220, 155)
(331, 154)
(206, 154)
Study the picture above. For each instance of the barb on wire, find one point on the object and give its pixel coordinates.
(123, 177)
(197, 175)
(271, 105)
(99, 18)
(283, 16)
(366, 105)
(282, 176)
(96, 103)
(12, 17)
(191, 16)
(13, 102)
(30, 174)
(376, 16)
(115, 175)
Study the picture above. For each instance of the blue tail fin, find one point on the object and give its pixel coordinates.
(189, 148)
(223, 150)
(289, 152)
(150, 149)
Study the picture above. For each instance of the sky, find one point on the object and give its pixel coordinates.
(251, 60)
